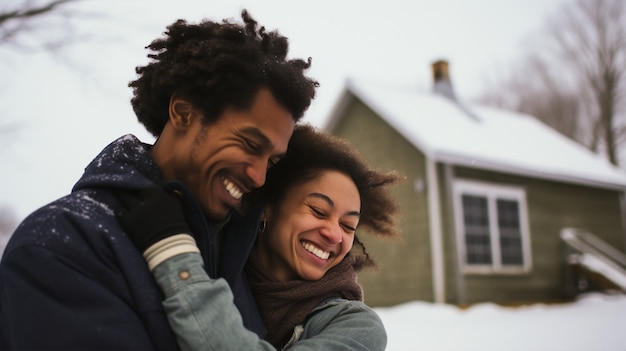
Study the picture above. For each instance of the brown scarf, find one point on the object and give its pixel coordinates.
(284, 305)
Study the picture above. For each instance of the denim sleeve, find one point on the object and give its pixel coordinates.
(342, 325)
(200, 310)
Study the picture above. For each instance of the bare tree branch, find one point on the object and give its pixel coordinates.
(32, 26)
(31, 12)
(27, 27)
(585, 44)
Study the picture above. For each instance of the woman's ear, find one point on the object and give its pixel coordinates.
(263, 222)
(181, 112)
(267, 214)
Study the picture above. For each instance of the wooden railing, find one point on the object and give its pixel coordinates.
(595, 255)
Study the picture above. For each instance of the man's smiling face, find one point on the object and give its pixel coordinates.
(230, 156)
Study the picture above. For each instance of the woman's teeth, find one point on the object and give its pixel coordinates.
(316, 251)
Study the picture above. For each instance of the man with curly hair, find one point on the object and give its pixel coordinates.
(222, 99)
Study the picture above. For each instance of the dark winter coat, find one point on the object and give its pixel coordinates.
(70, 279)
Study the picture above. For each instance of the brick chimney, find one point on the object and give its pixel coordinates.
(443, 86)
(441, 80)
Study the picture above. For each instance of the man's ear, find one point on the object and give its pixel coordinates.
(181, 112)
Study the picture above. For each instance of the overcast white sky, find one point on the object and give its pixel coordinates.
(63, 116)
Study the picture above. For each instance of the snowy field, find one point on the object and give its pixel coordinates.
(595, 322)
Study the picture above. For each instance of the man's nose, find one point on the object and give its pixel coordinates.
(257, 172)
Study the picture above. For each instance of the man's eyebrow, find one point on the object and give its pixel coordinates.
(332, 203)
(261, 138)
(256, 133)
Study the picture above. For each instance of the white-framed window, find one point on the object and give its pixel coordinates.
(492, 227)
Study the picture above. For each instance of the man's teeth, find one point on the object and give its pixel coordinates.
(316, 251)
(232, 189)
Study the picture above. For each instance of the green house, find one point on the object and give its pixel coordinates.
(486, 197)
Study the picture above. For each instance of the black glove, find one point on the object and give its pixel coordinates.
(150, 215)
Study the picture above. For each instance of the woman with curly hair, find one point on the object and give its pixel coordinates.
(303, 267)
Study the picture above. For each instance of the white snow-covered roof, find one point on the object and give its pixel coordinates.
(482, 137)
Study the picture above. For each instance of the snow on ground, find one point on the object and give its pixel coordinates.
(595, 322)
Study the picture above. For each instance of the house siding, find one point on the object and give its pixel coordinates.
(405, 268)
(403, 272)
(551, 206)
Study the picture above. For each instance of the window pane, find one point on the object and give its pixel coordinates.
(510, 233)
(477, 238)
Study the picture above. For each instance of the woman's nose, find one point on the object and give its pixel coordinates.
(332, 233)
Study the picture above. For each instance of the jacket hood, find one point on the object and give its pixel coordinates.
(126, 163)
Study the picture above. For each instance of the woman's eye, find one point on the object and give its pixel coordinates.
(317, 212)
(349, 228)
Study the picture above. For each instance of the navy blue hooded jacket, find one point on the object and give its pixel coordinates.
(70, 279)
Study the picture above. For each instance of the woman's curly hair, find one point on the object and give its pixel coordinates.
(311, 152)
(217, 66)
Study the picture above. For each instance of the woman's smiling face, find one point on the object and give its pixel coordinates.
(312, 229)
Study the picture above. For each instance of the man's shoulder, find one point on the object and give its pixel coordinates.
(67, 222)
(86, 204)
(125, 163)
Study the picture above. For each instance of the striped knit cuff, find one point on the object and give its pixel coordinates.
(169, 247)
